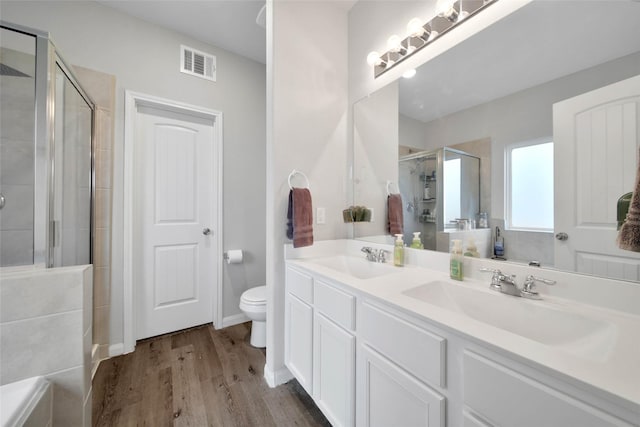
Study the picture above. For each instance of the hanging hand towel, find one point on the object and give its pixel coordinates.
(629, 234)
(300, 217)
(394, 214)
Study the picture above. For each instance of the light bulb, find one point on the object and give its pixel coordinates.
(446, 9)
(415, 28)
(373, 59)
(409, 73)
(394, 43)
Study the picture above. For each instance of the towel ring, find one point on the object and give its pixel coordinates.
(389, 183)
(295, 172)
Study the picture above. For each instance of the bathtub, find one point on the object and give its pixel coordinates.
(26, 402)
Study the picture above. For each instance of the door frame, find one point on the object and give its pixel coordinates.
(132, 101)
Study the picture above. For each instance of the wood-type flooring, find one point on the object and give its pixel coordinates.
(198, 377)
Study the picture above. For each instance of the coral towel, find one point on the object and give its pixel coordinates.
(300, 217)
(629, 234)
(394, 214)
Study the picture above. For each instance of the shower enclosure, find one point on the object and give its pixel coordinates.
(438, 188)
(46, 155)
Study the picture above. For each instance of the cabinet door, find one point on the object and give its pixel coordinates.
(389, 396)
(299, 340)
(334, 371)
(509, 398)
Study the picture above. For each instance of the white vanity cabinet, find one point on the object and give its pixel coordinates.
(334, 351)
(369, 362)
(505, 396)
(399, 363)
(320, 344)
(298, 343)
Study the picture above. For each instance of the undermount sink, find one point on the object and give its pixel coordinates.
(355, 266)
(573, 332)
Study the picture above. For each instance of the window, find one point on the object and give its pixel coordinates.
(452, 190)
(529, 189)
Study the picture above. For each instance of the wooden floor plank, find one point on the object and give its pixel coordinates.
(197, 377)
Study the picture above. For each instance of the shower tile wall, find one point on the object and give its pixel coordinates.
(17, 159)
(101, 88)
(45, 329)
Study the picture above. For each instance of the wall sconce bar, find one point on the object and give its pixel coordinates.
(420, 36)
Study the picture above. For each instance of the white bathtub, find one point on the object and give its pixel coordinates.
(25, 401)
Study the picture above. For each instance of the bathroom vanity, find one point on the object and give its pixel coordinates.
(376, 345)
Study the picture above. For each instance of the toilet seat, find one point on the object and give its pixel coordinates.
(255, 296)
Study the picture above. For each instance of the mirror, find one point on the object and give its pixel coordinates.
(493, 91)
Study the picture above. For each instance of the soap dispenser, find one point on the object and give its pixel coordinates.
(398, 251)
(472, 249)
(456, 261)
(416, 243)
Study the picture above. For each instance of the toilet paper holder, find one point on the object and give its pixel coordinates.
(234, 256)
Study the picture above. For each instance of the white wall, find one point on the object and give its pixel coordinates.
(306, 130)
(145, 58)
(375, 142)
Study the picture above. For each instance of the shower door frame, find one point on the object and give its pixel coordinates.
(44, 126)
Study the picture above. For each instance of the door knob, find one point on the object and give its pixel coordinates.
(562, 236)
(206, 231)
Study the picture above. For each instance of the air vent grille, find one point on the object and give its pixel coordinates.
(197, 63)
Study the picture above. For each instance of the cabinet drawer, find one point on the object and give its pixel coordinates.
(335, 304)
(416, 350)
(508, 398)
(300, 285)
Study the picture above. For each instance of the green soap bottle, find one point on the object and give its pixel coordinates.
(416, 243)
(456, 262)
(398, 251)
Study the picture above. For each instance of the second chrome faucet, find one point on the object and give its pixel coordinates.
(507, 284)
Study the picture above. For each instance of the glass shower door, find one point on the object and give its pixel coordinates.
(72, 175)
(17, 147)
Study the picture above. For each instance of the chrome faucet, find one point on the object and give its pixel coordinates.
(529, 287)
(374, 255)
(507, 284)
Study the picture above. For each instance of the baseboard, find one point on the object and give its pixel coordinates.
(236, 319)
(278, 377)
(116, 349)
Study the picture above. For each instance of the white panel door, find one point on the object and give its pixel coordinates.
(596, 138)
(175, 215)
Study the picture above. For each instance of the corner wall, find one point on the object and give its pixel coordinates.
(306, 130)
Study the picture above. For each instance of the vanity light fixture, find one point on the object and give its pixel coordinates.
(449, 14)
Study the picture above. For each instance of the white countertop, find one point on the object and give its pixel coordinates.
(617, 373)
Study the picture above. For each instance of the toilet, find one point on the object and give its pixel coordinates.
(253, 303)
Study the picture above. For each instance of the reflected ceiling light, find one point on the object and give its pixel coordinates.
(409, 73)
(419, 33)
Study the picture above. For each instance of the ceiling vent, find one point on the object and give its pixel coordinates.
(197, 63)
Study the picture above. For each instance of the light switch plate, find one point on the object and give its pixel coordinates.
(320, 216)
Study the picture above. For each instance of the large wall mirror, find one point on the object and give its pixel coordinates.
(547, 102)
